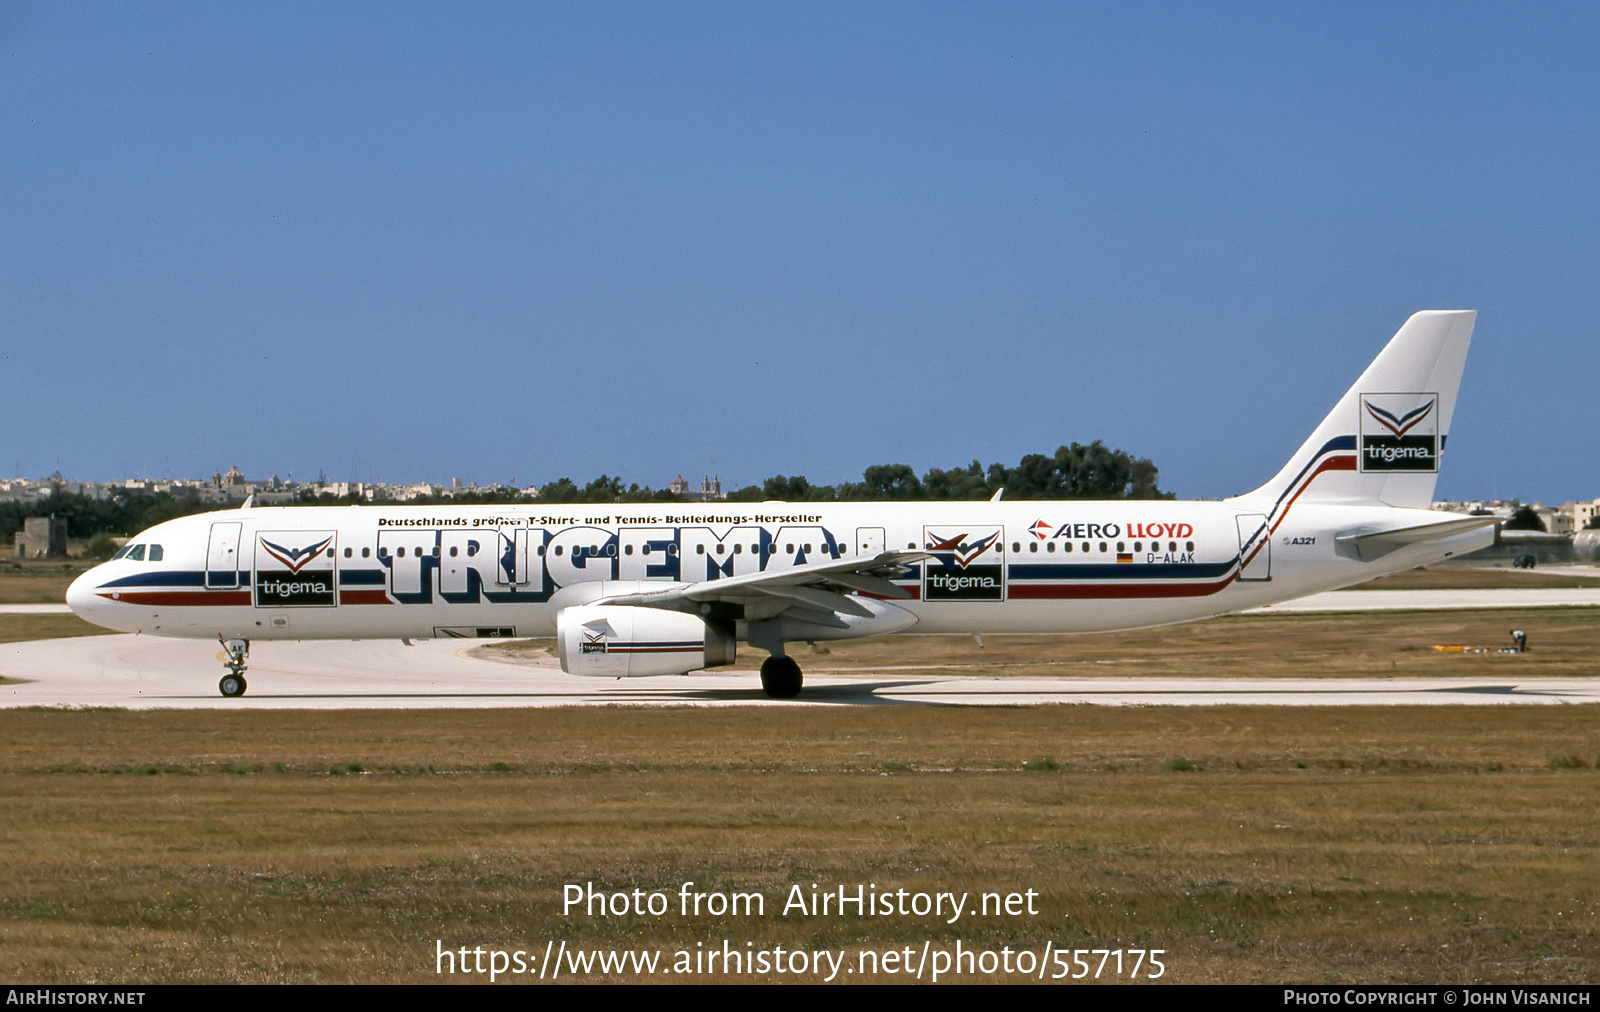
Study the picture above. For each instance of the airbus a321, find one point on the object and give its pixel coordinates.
(670, 589)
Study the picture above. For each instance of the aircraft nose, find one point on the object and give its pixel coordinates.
(81, 596)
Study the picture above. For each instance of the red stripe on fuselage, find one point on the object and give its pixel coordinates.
(1341, 462)
(363, 597)
(180, 598)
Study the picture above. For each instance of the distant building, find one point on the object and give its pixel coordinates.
(43, 538)
(710, 489)
(1580, 512)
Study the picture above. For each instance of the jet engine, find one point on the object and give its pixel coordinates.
(615, 640)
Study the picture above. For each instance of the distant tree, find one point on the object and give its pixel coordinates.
(603, 489)
(891, 482)
(558, 492)
(101, 546)
(124, 512)
(1072, 472)
(1593, 524)
(1079, 472)
(968, 482)
(1524, 519)
(795, 489)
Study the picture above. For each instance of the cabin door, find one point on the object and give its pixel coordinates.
(1255, 547)
(222, 556)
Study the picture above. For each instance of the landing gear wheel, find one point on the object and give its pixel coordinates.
(233, 657)
(780, 677)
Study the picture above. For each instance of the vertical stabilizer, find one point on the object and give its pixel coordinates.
(1383, 441)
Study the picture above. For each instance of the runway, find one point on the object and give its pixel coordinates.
(141, 672)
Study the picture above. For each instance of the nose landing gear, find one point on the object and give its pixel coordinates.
(233, 658)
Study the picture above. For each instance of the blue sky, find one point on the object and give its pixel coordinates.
(524, 241)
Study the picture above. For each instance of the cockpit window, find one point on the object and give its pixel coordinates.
(121, 552)
(135, 554)
(155, 553)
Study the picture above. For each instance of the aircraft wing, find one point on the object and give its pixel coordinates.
(818, 592)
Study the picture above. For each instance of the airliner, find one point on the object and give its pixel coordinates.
(675, 588)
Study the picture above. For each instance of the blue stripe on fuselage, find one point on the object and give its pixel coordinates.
(1120, 570)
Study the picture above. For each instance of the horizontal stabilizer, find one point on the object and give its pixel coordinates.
(1368, 544)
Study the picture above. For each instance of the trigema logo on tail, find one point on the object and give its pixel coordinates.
(968, 564)
(294, 569)
(1400, 432)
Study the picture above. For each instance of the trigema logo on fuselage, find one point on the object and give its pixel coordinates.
(294, 569)
(968, 564)
(1400, 432)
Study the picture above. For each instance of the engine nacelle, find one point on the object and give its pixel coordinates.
(610, 639)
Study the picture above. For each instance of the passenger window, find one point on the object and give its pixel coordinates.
(401, 553)
(1189, 546)
(1102, 546)
(1033, 546)
(611, 550)
(383, 553)
(699, 549)
(1050, 546)
(1120, 547)
(672, 550)
(366, 552)
(155, 553)
(558, 549)
(1086, 546)
(541, 550)
(349, 552)
(1015, 547)
(627, 550)
(136, 553)
(454, 551)
(330, 552)
(1172, 546)
(645, 550)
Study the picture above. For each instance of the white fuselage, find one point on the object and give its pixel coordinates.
(492, 571)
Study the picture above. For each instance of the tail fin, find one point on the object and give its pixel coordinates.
(1382, 442)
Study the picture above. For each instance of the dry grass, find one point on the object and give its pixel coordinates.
(38, 581)
(1252, 843)
(1381, 644)
(1472, 578)
(17, 628)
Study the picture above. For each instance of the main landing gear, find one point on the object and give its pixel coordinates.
(233, 658)
(780, 677)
